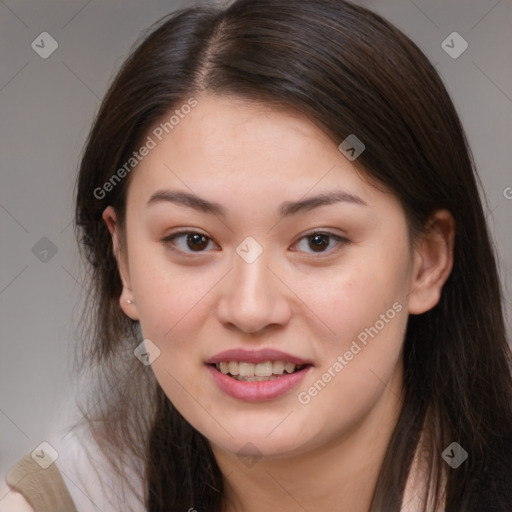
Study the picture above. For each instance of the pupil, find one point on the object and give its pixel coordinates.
(196, 241)
(319, 242)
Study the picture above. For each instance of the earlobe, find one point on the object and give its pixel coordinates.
(127, 303)
(433, 262)
(126, 300)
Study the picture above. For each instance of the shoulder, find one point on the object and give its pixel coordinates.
(11, 500)
(39, 484)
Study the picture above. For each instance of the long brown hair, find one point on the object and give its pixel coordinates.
(350, 72)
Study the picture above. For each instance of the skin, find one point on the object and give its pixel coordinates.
(12, 501)
(324, 455)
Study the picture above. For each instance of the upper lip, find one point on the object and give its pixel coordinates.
(256, 356)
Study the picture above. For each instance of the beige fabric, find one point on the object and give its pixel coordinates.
(44, 489)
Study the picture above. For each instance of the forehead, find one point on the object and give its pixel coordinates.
(228, 148)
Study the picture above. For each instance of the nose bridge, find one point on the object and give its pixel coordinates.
(252, 279)
(252, 297)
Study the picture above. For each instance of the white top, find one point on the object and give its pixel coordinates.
(90, 481)
(88, 478)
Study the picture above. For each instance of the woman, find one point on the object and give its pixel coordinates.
(294, 298)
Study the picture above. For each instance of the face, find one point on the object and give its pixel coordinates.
(233, 267)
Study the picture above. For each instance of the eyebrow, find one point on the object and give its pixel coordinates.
(285, 209)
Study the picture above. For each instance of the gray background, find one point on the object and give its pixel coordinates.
(47, 106)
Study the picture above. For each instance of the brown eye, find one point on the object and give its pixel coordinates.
(188, 241)
(321, 242)
(196, 241)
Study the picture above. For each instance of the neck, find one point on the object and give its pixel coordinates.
(340, 475)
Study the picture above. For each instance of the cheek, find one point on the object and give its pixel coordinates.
(356, 370)
(167, 295)
(172, 303)
(356, 298)
(369, 331)
(365, 308)
(185, 387)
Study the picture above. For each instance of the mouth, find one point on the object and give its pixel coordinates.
(258, 372)
(257, 375)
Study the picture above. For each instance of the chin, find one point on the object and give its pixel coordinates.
(258, 443)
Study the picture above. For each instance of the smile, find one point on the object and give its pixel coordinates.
(257, 375)
(257, 372)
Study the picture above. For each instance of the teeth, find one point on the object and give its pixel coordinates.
(233, 367)
(256, 378)
(278, 368)
(246, 369)
(289, 367)
(263, 369)
(268, 370)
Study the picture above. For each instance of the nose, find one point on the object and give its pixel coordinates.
(253, 297)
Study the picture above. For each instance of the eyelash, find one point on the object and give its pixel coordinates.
(339, 239)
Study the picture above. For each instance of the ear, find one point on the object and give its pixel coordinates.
(433, 262)
(126, 299)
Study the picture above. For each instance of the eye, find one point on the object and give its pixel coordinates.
(192, 240)
(318, 241)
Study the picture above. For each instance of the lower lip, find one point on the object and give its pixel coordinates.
(257, 391)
